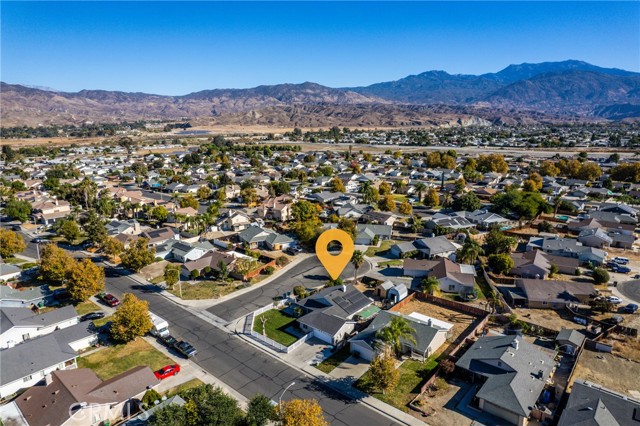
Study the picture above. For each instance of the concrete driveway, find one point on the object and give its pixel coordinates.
(350, 370)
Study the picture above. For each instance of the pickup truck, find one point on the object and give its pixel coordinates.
(185, 349)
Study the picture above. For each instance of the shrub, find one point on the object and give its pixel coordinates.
(269, 270)
(299, 291)
(600, 276)
(206, 270)
(440, 384)
(282, 261)
(447, 366)
(150, 397)
(195, 274)
(577, 272)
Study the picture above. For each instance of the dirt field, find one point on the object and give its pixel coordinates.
(461, 322)
(548, 318)
(610, 371)
(442, 416)
(624, 346)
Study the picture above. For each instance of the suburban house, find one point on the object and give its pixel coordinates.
(591, 404)
(428, 335)
(212, 260)
(160, 236)
(276, 208)
(485, 219)
(454, 221)
(127, 227)
(453, 277)
(380, 218)
(234, 221)
(366, 233)
(537, 264)
(330, 313)
(545, 294)
(257, 237)
(185, 252)
(513, 374)
(49, 211)
(26, 364)
(9, 271)
(12, 298)
(567, 247)
(20, 324)
(79, 397)
(426, 247)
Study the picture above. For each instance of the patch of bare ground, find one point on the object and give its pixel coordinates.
(624, 346)
(609, 370)
(436, 404)
(461, 322)
(548, 318)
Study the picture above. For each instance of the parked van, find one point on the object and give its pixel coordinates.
(160, 326)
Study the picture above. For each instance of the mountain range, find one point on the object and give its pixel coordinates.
(526, 93)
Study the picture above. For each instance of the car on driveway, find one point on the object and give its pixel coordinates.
(108, 299)
(185, 349)
(61, 295)
(631, 308)
(620, 269)
(293, 250)
(167, 371)
(92, 316)
(38, 240)
(621, 260)
(613, 299)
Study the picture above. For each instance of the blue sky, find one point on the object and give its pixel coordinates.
(178, 47)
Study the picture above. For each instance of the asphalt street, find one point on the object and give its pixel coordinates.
(242, 366)
(630, 289)
(308, 273)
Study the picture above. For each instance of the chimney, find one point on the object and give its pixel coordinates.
(48, 379)
(429, 322)
(344, 288)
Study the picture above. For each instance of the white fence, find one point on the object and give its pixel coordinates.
(248, 329)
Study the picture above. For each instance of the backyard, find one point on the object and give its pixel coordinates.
(610, 371)
(412, 374)
(275, 322)
(113, 360)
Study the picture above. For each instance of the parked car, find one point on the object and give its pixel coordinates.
(61, 295)
(169, 341)
(108, 299)
(621, 260)
(293, 250)
(92, 316)
(631, 308)
(616, 319)
(613, 299)
(621, 269)
(167, 371)
(38, 240)
(185, 349)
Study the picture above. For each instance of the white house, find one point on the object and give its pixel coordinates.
(20, 324)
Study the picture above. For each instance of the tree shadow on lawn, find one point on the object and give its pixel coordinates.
(336, 389)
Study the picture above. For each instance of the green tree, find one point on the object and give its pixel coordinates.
(470, 251)
(10, 243)
(138, 255)
(497, 242)
(301, 412)
(131, 319)
(70, 230)
(553, 271)
(223, 271)
(159, 213)
(357, 260)
(405, 208)
(204, 192)
(171, 274)
(600, 276)
(468, 202)
(383, 372)
(432, 199)
(112, 247)
(348, 226)
(55, 264)
(189, 201)
(420, 187)
(85, 279)
(150, 397)
(501, 263)
(211, 406)
(384, 188)
(430, 285)
(396, 332)
(18, 209)
(337, 185)
(94, 228)
(260, 411)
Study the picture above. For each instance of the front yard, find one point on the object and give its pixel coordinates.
(383, 247)
(274, 326)
(113, 360)
(329, 364)
(198, 290)
(86, 307)
(412, 374)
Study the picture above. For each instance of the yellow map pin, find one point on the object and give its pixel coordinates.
(334, 264)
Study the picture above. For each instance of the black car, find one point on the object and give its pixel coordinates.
(185, 349)
(168, 341)
(61, 295)
(92, 316)
(293, 250)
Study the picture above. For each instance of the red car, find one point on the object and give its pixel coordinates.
(109, 299)
(169, 370)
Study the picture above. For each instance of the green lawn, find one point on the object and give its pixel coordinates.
(157, 280)
(334, 360)
(412, 375)
(396, 262)
(13, 260)
(113, 360)
(199, 290)
(102, 321)
(384, 246)
(400, 197)
(276, 322)
(484, 287)
(183, 387)
(86, 307)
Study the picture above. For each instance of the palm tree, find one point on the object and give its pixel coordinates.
(395, 332)
(357, 259)
(430, 285)
(470, 251)
(420, 187)
(495, 302)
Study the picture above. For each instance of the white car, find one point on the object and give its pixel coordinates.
(613, 299)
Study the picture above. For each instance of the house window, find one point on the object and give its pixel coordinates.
(544, 302)
(452, 287)
(27, 378)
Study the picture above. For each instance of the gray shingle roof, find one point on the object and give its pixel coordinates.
(26, 317)
(514, 382)
(593, 405)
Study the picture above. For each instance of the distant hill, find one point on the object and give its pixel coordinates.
(519, 93)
